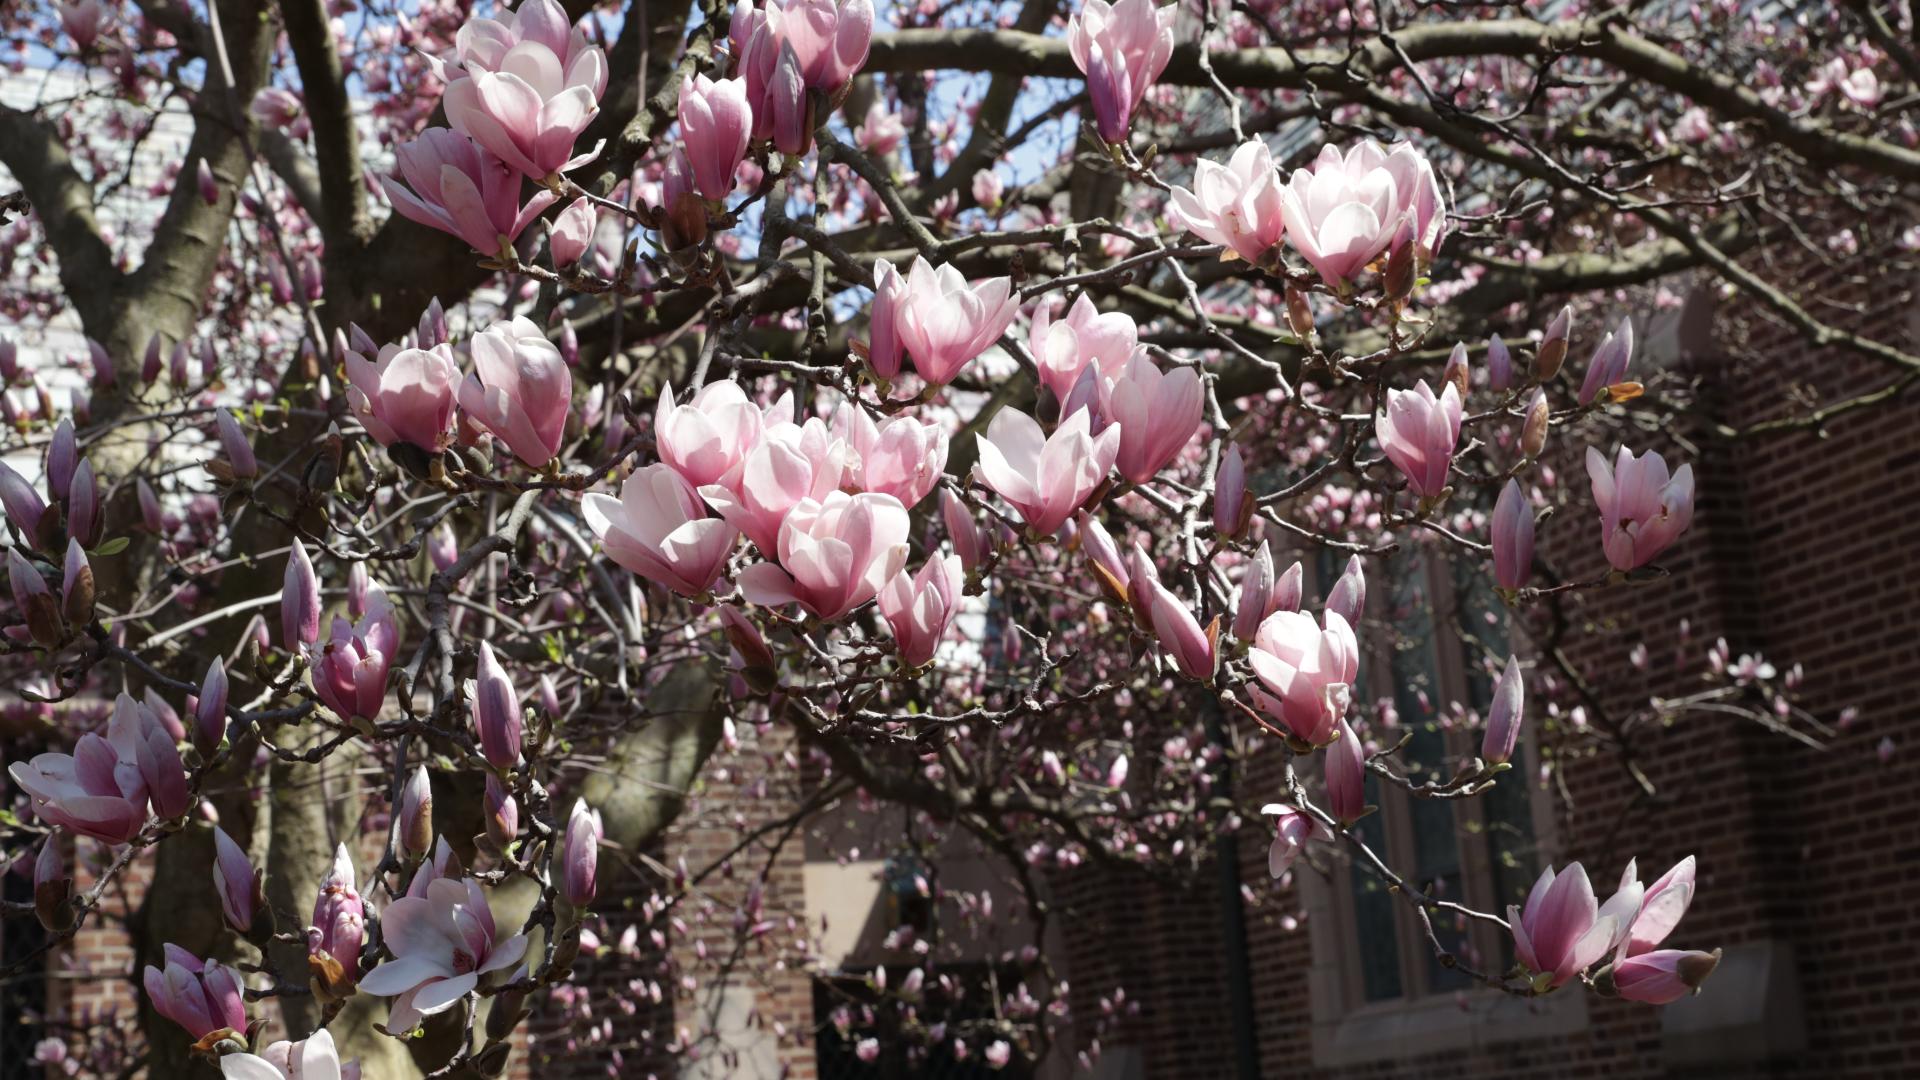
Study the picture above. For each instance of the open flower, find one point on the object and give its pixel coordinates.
(443, 943)
(1045, 478)
(1419, 432)
(1307, 672)
(1236, 205)
(788, 48)
(1562, 930)
(1349, 208)
(455, 186)
(707, 439)
(350, 670)
(1291, 831)
(525, 87)
(919, 609)
(1157, 413)
(520, 389)
(312, 1058)
(204, 997)
(835, 554)
(903, 457)
(792, 462)
(1086, 336)
(102, 789)
(658, 528)
(944, 321)
(1642, 510)
(406, 395)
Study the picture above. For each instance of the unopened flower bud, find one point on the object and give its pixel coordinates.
(1553, 346)
(416, 815)
(1533, 429)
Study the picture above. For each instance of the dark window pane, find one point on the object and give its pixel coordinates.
(1373, 915)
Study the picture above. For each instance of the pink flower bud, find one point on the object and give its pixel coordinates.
(102, 361)
(299, 601)
(1289, 590)
(969, 541)
(1458, 372)
(1232, 508)
(921, 609)
(1504, 716)
(210, 712)
(416, 814)
(1512, 528)
(76, 587)
(83, 504)
(549, 697)
(1419, 433)
(1292, 830)
(1533, 429)
(338, 930)
(205, 998)
(1609, 363)
(63, 452)
(988, 189)
(150, 515)
(235, 882)
(23, 504)
(35, 601)
(233, 442)
(580, 854)
(52, 887)
(572, 232)
(1189, 647)
(715, 122)
(1346, 771)
(1553, 346)
(150, 364)
(1348, 597)
(497, 718)
(1663, 976)
(503, 814)
(1256, 595)
(1499, 364)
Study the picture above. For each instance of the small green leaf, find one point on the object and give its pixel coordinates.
(111, 547)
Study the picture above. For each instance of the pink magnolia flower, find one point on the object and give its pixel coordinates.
(1121, 48)
(1642, 510)
(497, 717)
(103, 788)
(1236, 205)
(349, 672)
(1348, 597)
(572, 232)
(1157, 413)
(1512, 529)
(1349, 208)
(944, 321)
(658, 528)
(884, 347)
(920, 609)
(1609, 363)
(443, 943)
(1307, 672)
(339, 928)
(1419, 433)
(786, 48)
(23, 504)
(1232, 508)
(1045, 478)
(1064, 348)
(1562, 930)
(1661, 907)
(881, 132)
(525, 87)
(715, 124)
(969, 540)
(1663, 976)
(1292, 830)
(313, 1058)
(988, 189)
(520, 389)
(903, 457)
(1504, 715)
(579, 854)
(835, 554)
(280, 108)
(82, 20)
(1181, 637)
(235, 882)
(1345, 766)
(792, 462)
(202, 997)
(461, 190)
(1255, 601)
(406, 395)
(707, 439)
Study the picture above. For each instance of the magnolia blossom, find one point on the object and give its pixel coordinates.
(312, 1058)
(658, 528)
(715, 124)
(1181, 637)
(1307, 672)
(204, 997)
(1349, 208)
(1663, 976)
(443, 943)
(1419, 433)
(881, 132)
(1085, 337)
(1236, 205)
(1121, 48)
(461, 190)
(525, 87)
(903, 457)
(339, 928)
(1291, 831)
(579, 854)
(835, 554)
(1562, 930)
(1045, 477)
(82, 20)
(1504, 715)
(520, 389)
(792, 462)
(497, 717)
(920, 609)
(1345, 766)
(944, 321)
(884, 347)
(1661, 907)
(235, 882)
(1609, 363)
(707, 439)
(573, 230)
(788, 48)
(1642, 510)
(1512, 531)
(349, 672)
(278, 107)
(405, 396)
(1157, 413)
(103, 788)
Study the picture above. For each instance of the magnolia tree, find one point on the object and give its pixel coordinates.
(496, 426)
